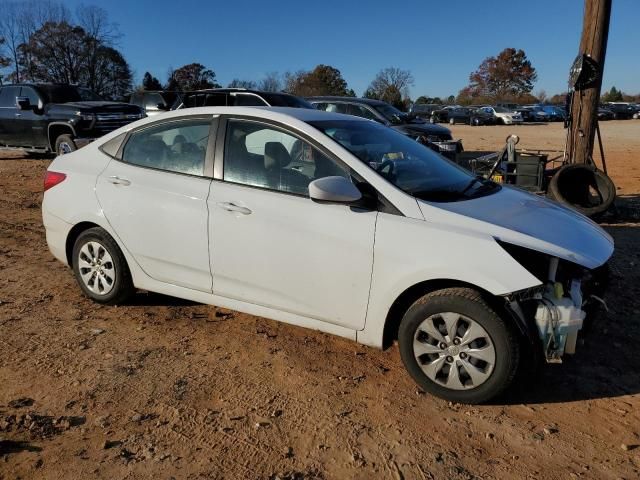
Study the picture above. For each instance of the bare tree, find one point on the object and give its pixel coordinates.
(542, 96)
(10, 32)
(237, 83)
(391, 81)
(271, 82)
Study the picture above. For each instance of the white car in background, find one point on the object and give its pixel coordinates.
(330, 222)
(503, 115)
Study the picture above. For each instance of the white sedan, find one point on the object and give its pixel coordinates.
(504, 115)
(334, 223)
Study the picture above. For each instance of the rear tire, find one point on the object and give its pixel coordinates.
(65, 144)
(100, 268)
(456, 328)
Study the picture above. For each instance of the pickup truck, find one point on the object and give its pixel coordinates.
(53, 118)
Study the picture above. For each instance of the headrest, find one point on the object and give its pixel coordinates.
(276, 156)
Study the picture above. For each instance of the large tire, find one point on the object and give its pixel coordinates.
(100, 268)
(448, 313)
(582, 187)
(65, 144)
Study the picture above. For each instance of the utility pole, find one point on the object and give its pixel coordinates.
(584, 109)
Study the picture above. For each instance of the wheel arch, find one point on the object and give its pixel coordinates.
(402, 303)
(73, 235)
(56, 129)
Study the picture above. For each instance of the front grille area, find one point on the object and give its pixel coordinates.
(108, 122)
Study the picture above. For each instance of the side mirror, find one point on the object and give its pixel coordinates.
(23, 103)
(334, 190)
(162, 106)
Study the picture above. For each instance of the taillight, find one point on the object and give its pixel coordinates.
(51, 179)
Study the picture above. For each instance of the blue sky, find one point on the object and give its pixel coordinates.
(440, 42)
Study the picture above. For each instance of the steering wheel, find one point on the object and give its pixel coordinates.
(392, 168)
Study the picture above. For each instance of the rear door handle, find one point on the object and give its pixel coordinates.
(118, 181)
(232, 207)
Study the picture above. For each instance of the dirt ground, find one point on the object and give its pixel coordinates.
(164, 388)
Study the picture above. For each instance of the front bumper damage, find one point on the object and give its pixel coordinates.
(556, 312)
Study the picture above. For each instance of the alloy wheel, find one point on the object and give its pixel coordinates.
(454, 351)
(96, 268)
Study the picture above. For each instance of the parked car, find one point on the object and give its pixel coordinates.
(469, 116)
(424, 110)
(555, 113)
(334, 223)
(154, 102)
(46, 118)
(502, 115)
(620, 110)
(442, 114)
(605, 114)
(435, 136)
(239, 97)
(532, 114)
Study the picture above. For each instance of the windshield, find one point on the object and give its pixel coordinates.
(88, 95)
(410, 166)
(390, 113)
(501, 110)
(66, 93)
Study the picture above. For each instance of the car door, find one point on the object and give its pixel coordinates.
(9, 128)
(31, 124)
(271, 244)
(155, 198)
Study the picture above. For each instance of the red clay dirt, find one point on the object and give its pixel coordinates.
(163, 388)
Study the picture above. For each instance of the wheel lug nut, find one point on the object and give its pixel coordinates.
(456, 341)
(443, 346)
(449, 359)
(463, 355)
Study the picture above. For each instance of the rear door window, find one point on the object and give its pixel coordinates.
(174, 146)
(247, 100)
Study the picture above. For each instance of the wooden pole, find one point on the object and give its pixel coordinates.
(584, 110)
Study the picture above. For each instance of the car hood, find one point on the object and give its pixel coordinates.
(514, 216)
(96, 106)
(423, 129)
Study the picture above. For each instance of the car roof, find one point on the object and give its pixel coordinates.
(273, 113)
(326, 98)
(237, 90)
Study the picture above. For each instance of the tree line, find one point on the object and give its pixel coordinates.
(43, 41)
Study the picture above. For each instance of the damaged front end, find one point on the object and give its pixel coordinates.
(568, 300)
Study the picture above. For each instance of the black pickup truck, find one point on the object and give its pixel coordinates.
(51, 118)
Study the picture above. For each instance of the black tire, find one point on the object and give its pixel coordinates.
(65, 144)
(122, 288)
(582, 187)
(467, 302)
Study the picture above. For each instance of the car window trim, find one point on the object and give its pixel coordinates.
(384, 204)
(209, 153)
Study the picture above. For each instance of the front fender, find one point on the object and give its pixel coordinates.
(409, 251)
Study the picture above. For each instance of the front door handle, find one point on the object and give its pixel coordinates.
(232, 207)
(119, 181)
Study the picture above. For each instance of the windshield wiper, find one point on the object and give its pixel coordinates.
(473, 181)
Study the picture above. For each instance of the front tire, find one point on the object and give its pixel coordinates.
(456, 347)
(65, 144)
(100, 268)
